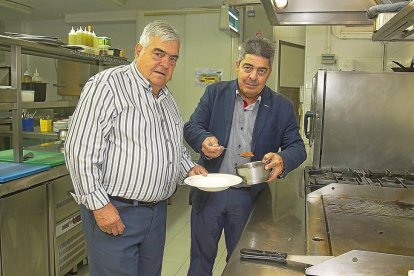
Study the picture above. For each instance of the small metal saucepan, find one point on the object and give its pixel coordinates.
(253, 172)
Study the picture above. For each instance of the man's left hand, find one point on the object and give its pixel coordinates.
(275, 163)
(197, 170)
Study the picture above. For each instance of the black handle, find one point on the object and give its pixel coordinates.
(399, 64)
(308, 116)
(259, 255)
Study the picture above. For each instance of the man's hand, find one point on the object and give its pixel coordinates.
(211, 148)
(108, 220)
(275, 163)
(197, 170)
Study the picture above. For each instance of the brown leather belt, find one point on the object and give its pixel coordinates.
(134, 202)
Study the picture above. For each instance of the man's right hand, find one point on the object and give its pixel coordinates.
(108, 220)
(211, 148)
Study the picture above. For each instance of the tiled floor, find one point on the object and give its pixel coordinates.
(177, 246)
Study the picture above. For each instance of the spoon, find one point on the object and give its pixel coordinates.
(245, 154)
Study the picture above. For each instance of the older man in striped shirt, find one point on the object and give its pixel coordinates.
(125, 155)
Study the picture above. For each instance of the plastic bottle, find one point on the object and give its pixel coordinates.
(36, 77)
(72, 37)
(85, 37)
(26, 76)
(79, 35)
(95, 43)
(89, 36)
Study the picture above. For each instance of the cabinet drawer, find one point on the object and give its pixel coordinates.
(63, 202)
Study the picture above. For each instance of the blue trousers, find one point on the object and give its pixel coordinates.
(228, 210)
(138, 251)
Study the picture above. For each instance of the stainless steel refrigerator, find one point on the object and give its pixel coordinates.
(362, 120)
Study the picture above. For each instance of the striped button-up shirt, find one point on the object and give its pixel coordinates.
(125, 142)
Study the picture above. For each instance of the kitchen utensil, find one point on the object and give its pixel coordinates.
(213, 182)
(354, 262)
(402, 68)
(245, 154)
(282, 258)
(28, 156)
(253, 172)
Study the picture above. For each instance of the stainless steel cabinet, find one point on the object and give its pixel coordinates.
(67, 244)
(24, 233)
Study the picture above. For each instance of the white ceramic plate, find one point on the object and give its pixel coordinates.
(213, 182)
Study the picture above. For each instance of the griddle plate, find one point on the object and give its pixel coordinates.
(360, 263)
(369, 224)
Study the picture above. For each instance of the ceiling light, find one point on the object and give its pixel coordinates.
(16, 6)
(280, 4)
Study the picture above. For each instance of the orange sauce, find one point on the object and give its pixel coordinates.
(247, 154)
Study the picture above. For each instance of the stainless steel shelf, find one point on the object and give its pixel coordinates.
(38, 49)
(396, 28)
(19, 47)
(33, 135)
(5, 121)
(7, 106)
(40, 105)
(50, 104)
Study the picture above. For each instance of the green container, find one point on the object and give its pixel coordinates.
(104, 41)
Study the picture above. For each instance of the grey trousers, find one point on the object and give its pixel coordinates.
(138, 251)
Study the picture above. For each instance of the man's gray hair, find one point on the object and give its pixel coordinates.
(161, 29)
(258, 46)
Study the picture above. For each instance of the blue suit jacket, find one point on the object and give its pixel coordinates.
(275, 127)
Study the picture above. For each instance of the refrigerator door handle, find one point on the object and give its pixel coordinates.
(308, 115)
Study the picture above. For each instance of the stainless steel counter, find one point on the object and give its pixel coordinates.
(277, 223)
(42, 205)
(27, 182)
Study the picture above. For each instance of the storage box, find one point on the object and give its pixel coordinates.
(38, 87)
(28, 95)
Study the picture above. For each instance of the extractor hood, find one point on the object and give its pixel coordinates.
(321, 12)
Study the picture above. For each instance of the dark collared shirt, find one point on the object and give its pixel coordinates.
(241, 134)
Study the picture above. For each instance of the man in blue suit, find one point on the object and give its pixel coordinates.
(234, 117)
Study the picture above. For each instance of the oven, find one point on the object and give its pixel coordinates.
(360, 187)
